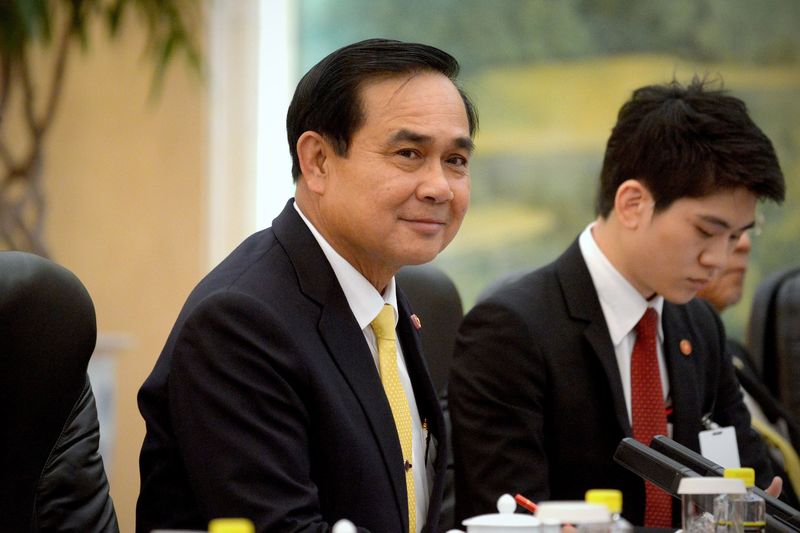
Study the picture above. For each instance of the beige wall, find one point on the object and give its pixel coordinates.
(126, 186)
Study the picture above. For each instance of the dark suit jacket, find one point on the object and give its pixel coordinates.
(536, 397)
(266, 404)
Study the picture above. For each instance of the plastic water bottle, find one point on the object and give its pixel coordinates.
(612, 499)
(741, 512)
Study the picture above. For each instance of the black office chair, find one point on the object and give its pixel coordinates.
(51, 474)
(499, 283)
(773, 337)
(769, 370)
(436, 301)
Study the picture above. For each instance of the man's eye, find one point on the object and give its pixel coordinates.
(408, 153)
(458, 161)
(703, 232)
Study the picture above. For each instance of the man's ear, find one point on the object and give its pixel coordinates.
(313, 152)
(633, 203)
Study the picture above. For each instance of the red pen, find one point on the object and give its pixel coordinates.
(524, 502)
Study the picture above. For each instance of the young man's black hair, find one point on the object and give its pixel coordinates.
(687, 142)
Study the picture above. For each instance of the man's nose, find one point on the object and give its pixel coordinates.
(434, 185)
(715, 255)
(744, 244)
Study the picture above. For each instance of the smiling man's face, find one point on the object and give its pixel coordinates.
(399, 194)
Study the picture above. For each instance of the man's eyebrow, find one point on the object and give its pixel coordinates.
(465, 143)
(405, 135)
(411, 136)
(716, 221)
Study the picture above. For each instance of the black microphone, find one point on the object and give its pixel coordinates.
(655, 467)
(666, 473)
(705, 467)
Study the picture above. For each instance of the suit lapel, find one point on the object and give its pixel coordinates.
(682, 374)
(426, 399)
(348, 348)
(424, 393)
(345, 341)
(583, 305)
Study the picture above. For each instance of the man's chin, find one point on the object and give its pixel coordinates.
(733, 298)
(423, 252)
(419, 260)
(679, 297)
(420, 257)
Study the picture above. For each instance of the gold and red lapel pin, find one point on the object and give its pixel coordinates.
(686, 347)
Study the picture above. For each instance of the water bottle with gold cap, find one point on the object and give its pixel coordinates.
(231, 525)
(741, 512)
(612, 500)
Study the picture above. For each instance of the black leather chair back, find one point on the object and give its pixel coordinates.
(51, 474)
(435, 300)
(773, 336)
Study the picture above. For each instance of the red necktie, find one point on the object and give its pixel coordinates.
(647, 410)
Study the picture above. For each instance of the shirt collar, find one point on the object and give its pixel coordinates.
(364, 300)
(622, 304)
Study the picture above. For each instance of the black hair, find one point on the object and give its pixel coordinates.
(327, 97)
(687, 142)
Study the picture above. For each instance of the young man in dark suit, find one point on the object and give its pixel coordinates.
(554, 369)
(282, 395)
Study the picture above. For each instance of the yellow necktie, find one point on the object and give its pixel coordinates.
(383, 326)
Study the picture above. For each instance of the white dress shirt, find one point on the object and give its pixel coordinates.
(366, 302)
(622, 306)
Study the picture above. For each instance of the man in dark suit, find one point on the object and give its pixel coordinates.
(547, 374)
(771, 419)
(279, 396)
